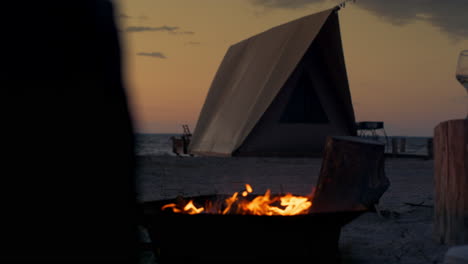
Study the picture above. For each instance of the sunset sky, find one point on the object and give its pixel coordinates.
(400, 56)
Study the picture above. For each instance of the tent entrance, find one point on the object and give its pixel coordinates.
(304, 104)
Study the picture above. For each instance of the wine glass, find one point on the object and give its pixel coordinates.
(462, 70)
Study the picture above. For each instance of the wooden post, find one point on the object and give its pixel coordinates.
(395, 146)
(352, 176)
(402, 145)
(451, 182)
(430, 148)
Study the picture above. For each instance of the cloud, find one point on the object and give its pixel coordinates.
(449, 16)
(143, 29)
(182, 32)
(187, 32)
(152, 54)
(169, 29)
(124, 16)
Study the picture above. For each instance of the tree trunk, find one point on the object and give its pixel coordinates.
(451, 182)
(352, 176)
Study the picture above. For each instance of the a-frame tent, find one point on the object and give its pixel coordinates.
(278, 93)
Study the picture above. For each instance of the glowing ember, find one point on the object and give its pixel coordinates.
(259, 205)
(248, 190)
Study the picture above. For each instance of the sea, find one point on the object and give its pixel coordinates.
(154, 144)
(161, 144)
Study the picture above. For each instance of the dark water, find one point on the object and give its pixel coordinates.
(161, 145)
(154, 144)
(414, 145)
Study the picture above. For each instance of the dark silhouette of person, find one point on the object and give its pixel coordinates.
(67, 185)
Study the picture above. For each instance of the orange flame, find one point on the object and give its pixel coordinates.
(192, 209)
(173, 206)
(260, 205)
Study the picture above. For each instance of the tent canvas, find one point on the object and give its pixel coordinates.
(281, 93)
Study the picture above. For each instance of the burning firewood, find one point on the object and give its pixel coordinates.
(266, 204)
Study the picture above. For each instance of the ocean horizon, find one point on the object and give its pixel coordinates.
(160, 144)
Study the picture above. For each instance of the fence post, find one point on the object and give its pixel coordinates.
(402, 145)
(395, 146)
(430, 148)
(451, 182)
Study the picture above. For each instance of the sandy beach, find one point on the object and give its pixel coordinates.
(402, 233)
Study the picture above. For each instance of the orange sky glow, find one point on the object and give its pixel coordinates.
(400, 71)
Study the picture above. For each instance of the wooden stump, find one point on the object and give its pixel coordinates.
(352, 176)
(451, 182)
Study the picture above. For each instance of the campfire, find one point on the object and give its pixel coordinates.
(248, 227)
(244, 228)
(245, 204)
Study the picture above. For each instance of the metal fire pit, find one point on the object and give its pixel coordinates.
(351, 181)
(211, 238)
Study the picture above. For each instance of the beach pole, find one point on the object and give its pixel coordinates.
(402, 145)
(430, 148)
(395, 146)
(451, 182)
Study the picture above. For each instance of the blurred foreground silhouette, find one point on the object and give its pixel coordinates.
(67, 171)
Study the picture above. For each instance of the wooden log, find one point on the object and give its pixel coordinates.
(352, 176)
(451, 182)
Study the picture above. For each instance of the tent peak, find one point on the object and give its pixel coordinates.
(297, 20)
(342, 5)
